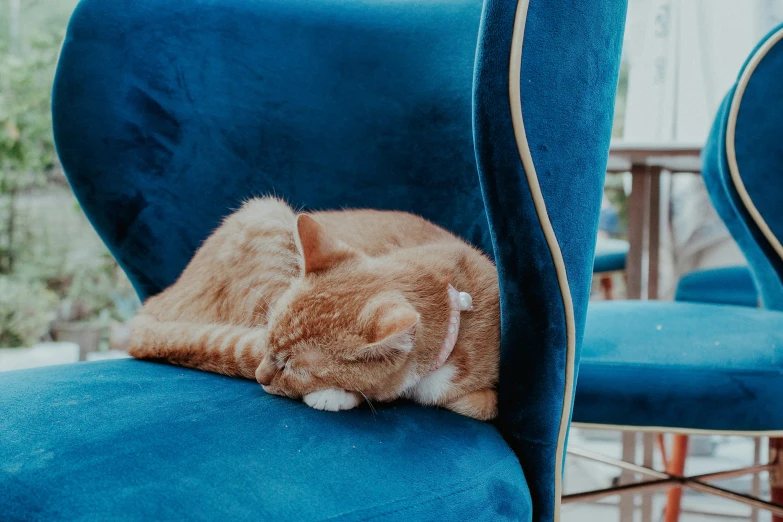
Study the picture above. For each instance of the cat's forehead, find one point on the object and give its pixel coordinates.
(344, 293)
(299, 334)
(330, 303)
(319, 315)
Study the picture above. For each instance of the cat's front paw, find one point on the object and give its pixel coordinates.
(332, 399)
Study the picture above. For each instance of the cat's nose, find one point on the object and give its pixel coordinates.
(264, 373)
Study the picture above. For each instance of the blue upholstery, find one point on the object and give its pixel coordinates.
(168, 113)
(221, 109)
(570, 162)
(133, 440)
(759, 157)
(610, 255)
(732, 285)
(701, 366)
(681, 365)
(759, 153)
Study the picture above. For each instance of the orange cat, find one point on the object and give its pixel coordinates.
(334, 308)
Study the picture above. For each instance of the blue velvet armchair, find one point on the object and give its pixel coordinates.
(490, 119)
(689, 367)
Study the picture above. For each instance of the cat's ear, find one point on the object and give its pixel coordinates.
(320, 250)
(395, 333)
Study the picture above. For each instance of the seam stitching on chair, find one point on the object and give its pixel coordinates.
(517, 120)
(731, 154)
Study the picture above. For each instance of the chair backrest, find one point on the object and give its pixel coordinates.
(165, 123)
(188, 108)
(743, 165)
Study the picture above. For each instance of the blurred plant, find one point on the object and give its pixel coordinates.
(615, 192)
(614, 182)
(621, 101)
(60, 249)
(52, 266)
(25, 311)
(96, 287)
(27, 151)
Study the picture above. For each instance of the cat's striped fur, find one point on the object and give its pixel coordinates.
(219, 324)
(331, 307)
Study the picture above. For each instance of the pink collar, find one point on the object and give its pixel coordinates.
(453, 329)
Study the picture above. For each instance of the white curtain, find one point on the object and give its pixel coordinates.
(682, 57)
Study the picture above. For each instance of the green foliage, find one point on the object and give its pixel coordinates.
(27, 150)
(24, 311)
(615, 192)
(60, 249)
(614, 182)
(26, 142)
(97, 285)
(35, 16)
(52, 265)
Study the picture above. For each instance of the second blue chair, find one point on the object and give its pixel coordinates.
(708, 368)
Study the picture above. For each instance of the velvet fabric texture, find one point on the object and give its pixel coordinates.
(700, 366)
(610, 255)
(131, 440)
(732, 285)
(569, 71)
(759, 153)
(681, 365)
(169, 113)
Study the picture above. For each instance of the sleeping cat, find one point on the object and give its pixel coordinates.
(334, 308)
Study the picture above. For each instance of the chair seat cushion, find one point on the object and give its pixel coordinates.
(610, 255)
(728, 285)
(681, 365)
(133, 440)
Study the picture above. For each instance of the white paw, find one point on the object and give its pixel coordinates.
(331, 400)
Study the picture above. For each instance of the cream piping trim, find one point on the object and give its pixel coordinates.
(680, 431)
(515, 100)
(731, 154)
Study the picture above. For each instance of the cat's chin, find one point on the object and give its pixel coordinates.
(332, 399)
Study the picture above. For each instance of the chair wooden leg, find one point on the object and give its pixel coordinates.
(775, 477)
(777, 498)
(659, 438)
(676, 467)
(755, 484)
(606, 287)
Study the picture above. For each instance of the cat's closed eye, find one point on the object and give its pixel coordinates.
(282, 361)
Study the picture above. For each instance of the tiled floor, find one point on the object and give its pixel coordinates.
(730, 453)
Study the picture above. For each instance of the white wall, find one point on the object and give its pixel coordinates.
(683, 56)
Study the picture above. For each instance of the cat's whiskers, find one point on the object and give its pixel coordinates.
(375, 413)
(259, 294)
(258, 316)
